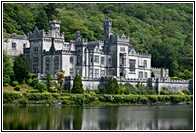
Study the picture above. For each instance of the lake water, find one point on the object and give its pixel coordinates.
(167, 117)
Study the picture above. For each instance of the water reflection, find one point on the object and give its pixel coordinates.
(99, 118)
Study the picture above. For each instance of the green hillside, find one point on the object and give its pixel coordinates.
(163, 29)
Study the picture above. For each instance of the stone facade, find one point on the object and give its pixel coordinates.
(16, 44)
(160, 72)
(114, 56)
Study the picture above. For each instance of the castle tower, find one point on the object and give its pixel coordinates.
(55, 27)
(107, 30)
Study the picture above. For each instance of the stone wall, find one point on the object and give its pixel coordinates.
(172, 85)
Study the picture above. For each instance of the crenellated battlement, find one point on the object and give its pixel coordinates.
(98, 42)
(15, 36)
(122, 38)
(55, 22)
(36, 34)
(68, 52)
(49, 53)
(144, 55)
(81, 41)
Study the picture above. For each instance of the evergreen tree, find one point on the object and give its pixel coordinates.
(113, 86)
(7, 68)
(42, 21)
(21, 67)
(77, 85)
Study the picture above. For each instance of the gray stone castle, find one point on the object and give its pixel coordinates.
(48, 52)
(94, 61)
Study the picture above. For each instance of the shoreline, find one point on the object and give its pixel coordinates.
(85, 105)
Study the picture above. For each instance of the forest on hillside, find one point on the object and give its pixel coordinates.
(164, 30)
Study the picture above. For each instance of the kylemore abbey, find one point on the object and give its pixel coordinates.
(94, 61)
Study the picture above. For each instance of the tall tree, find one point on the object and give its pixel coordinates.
(7, 68)
(51, 11)
(48, 80)
(77, 85)
(113, 86)
(60, 78)
(42, 21)
(21, 67)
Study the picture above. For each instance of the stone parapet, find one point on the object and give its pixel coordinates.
(15, 36)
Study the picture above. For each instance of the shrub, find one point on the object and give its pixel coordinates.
(39, 96)
(153, 91)
(129, 89)
(15, 83)
(102, 99)
(23, 101)
(164, 98)
(35, 82)
(176, 99)
(6, 84)
(17, 88)
(66, 102)
(130, 99)
(153, 99)
(165, 91)
(29, 81)
(142, 99)
(121, 90)
(89, 99)
(33, 91)
(186, 92)
(118, 99)
(92, 93)
(144, 90)
(187, 98)
(9, 97)
(41, 87)
(78, 100)
(102, 90)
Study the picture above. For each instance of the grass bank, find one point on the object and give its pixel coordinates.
(64, 99)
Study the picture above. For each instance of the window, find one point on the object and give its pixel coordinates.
(91, 59)
(122, 49)
(71, 72)
(91, 72)
(14, 45)
(122, 60)
(132, 65)
(24, 45)
(145, 63)
(109, 61)
(47, 63)
(109, 72)
(102, 60)
(78, 60)
(96, 59)
(141, 75)
(35, 50)
(71, 60)
(56, 64)
(102, 72)
(146, 75)
(96, 72)
(35, 64)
